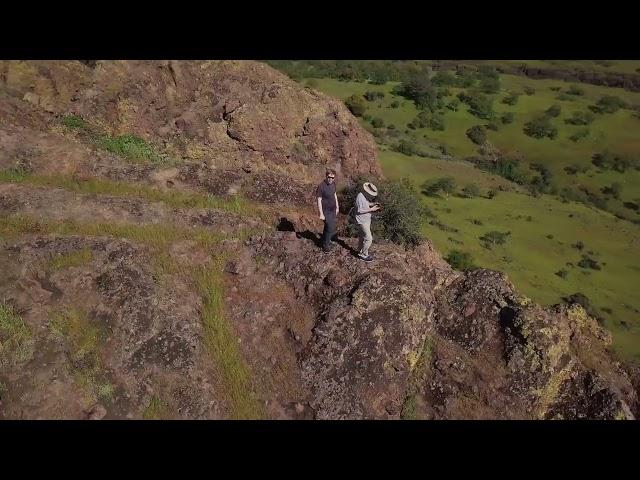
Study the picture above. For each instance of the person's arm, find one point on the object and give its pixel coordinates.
(367, 210)
(320, 208)
(375, 208)
(337, 206)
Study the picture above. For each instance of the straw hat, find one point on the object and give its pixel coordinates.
(371, 189)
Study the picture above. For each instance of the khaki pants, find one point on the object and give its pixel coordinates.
(366, 239)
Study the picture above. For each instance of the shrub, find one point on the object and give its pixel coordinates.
(507, 167)
(75, 122)
(453, 105)
(421, 91)
(539, 128)
(529, 90)
(460, 260)
(465, 78)
(479, 104)
(553, 111)
(494, 238)
(356, 105)
(583, 300)
(579, 134)
(490, 84)
(445, 184)
(507, 118)
(372, 96)
(542, 183)
(433, 121)
(443, 77)
(578, 245)
(471, 190)
(588, 262)
(575, 90)
(562, 273)
(436, 122)
(574, 168)
(406, 147)
(580, 118)
(565, 97)
(477, 134)
(511, 99)
(608, 161)
(608, 104)
(130, 147)
(492, 126)
(614, 190)
(377, 122)
(395, 104)
(402, 214)
(491, 193)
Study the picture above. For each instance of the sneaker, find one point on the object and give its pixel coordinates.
(362, 255)
(368, 259)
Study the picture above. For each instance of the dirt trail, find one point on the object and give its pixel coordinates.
(55, 204)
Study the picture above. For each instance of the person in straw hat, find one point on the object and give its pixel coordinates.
(364, 206)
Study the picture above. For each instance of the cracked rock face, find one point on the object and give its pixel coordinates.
(407, 337)
(230, 114)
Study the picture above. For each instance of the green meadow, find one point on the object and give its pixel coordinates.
(539, 255)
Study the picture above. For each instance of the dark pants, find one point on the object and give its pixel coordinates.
(329, 229)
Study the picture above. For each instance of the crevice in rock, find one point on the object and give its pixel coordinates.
(173, 75)
(285, 225)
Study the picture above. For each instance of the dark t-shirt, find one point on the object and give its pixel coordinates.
(328, 194)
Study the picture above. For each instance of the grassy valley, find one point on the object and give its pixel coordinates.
(562, 219)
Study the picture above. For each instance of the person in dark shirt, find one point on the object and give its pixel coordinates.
(328, 207)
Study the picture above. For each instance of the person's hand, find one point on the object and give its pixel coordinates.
(376, 207)
(322, 216)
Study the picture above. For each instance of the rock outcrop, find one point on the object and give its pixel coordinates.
(410, 337)
(231, 114)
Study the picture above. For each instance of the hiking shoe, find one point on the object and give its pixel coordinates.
(368, 259)
(327, 250)
(361, 255)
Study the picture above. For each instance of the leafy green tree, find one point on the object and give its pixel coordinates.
(446, 185)
(356, 105)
